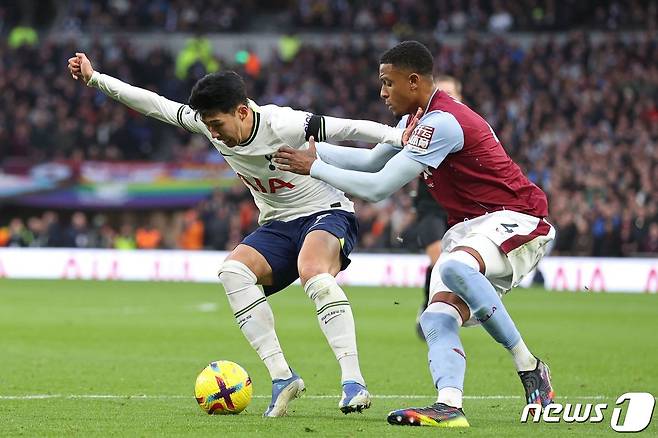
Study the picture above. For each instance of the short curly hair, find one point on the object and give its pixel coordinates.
(410, 55)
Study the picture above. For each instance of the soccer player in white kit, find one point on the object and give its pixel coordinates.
(307, 227)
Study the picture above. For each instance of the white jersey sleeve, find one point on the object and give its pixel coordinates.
(296, 127)
(148, 103)
(366, 160)
(438, 134)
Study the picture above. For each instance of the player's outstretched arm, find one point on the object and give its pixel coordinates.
(365, 160)
(437, 135)
(294, 128)
(372, 187)
(139, 99)
(334, 129)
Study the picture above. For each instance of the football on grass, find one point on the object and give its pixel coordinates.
(223, 387)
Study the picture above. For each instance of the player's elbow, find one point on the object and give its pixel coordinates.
(375, 195)
(374, 166)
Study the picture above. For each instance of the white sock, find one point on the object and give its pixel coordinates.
(451, 397)
(337, 323)
(254, 316)
(523, 359)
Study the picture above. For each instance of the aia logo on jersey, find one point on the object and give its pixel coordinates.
(421, 137)
(273, 184)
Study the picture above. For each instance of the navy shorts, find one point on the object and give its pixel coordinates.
(280, 242)
(430, 228)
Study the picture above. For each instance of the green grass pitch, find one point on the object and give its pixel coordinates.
(120, 359)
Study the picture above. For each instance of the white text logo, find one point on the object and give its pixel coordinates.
(638, 412)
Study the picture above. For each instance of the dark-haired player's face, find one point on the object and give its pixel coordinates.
(396, 89)
(229, 128)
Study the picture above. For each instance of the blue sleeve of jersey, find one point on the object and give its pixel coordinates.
(438, 134)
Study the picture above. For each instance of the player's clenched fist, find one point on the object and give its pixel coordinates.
(80, 67)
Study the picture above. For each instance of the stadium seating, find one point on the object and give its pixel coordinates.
(577, 111)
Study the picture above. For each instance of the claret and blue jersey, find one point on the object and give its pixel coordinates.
(469, 173)
(463, 164)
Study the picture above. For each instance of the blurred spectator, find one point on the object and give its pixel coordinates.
(125, 239)
(650, 244)
(191, 236)
(288, 47)
(106, 235)
(148, 237)
(218, 229)
(197, 50)
(216, 217)
(18, 234)
(4, 236)
(21, 36)
(54, 233)
(78, 233)
(36, 228)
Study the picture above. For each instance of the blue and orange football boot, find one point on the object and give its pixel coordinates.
(537, 384)
(437, 415)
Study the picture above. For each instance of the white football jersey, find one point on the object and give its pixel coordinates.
(279, 195)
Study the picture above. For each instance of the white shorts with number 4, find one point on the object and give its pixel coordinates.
(521, 240)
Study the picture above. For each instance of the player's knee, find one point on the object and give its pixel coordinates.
(454, 267)
(452, 272)
(439, 319)
(310, 270)
(440, 314)
(452, 299)
(235, 276)
(318, 287)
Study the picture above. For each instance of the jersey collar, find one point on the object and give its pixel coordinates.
(429, 102)
(254, 127)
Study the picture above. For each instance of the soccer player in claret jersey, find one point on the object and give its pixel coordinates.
(498, 231)
(431, 220)
(307, 227)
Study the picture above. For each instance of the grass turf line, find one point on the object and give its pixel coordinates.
(81, 337)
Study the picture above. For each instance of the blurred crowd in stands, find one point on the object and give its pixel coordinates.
(580, 117)
(219, 223)
(445, 16)
(401, 16)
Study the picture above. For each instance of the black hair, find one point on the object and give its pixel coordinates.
(218, 92)
(410, 55)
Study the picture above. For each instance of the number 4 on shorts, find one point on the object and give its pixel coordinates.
(509, 228)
